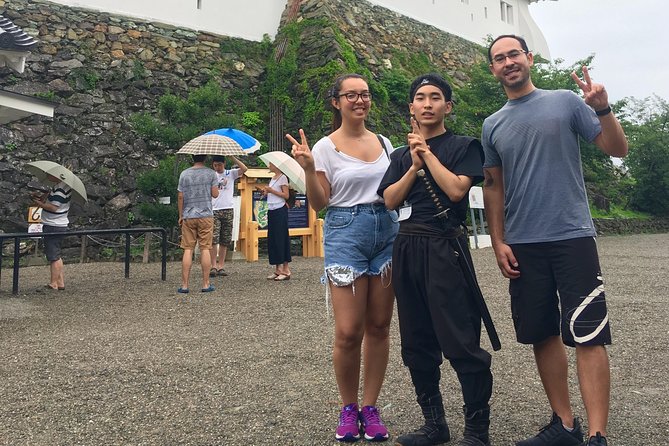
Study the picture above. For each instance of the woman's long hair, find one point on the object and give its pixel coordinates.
(334, 94)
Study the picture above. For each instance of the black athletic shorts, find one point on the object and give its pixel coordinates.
(560, 291)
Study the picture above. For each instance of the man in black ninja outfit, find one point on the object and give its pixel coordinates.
(437, 314)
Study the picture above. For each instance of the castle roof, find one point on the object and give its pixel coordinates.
(13, 38)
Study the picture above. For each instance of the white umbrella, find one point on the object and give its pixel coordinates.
(43, 169)
(289, 167)
(212, 145)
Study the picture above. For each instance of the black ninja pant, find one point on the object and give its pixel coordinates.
(438, 317)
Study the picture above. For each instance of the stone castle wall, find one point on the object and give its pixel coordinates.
(100, 69)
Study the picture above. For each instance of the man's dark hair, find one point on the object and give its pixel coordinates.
(522, 42)
(218, 159)
(431, 79)
(199, 158)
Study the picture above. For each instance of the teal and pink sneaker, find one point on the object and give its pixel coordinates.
(348, 429)
(371, 424)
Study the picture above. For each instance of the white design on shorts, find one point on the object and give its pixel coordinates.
(588, 299)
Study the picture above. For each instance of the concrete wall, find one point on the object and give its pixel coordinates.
(474, 20)
(248, 19)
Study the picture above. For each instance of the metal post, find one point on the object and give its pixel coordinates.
(476, 238)
(164, 255)
(127, 255)
(15, 280)
(482, 224)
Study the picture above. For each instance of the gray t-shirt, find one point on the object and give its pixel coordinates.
(535, 141)
(195, 183)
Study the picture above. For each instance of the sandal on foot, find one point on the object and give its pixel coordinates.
(213, 272)
(272, 276)
(282, 277)
(209, 289)
(182, 290)
(221, 272)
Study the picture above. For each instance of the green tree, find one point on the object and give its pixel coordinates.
(647, 128)
(180, 119)
(162, 182)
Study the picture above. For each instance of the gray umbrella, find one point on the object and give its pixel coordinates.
(43, 169)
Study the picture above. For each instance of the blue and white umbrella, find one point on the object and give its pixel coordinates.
(247, 142)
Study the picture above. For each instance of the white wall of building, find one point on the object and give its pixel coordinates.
(251, 19)
(474, 20)
(248, 19)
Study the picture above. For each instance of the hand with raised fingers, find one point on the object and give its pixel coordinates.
(595, 95)
(301, 152)
(417, 145)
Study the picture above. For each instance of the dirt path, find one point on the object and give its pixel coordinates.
(113, 361)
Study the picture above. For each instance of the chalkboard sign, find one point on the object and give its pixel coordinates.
(298, 215)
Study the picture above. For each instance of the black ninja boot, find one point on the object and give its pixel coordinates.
(476, 427)
(434, 431)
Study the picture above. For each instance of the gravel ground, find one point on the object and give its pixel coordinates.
(114, 361)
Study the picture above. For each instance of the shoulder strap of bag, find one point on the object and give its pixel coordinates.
(383, 144)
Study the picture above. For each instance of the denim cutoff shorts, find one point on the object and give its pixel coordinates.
(358, 240)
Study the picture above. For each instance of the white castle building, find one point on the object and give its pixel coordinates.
(473, 20)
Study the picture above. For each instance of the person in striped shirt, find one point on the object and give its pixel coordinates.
(55, 206)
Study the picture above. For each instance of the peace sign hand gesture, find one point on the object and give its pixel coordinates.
(595, 95)
(301, 152)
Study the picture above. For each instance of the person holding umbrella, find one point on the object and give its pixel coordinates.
(343, 173)
(55, 206)
(64, 186)
(278, 240)
(197, 185)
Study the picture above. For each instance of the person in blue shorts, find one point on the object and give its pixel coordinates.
(343, 173)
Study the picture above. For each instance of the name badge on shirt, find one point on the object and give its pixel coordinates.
(404, 211)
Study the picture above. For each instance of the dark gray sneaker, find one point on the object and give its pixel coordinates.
(554, 434)
(596, 440)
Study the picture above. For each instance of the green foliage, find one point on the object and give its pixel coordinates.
(138, 69)
(10, 146)
(180, 120)
(107, 253)
(48, 96)
(476, 100)
(163, 215)
(161, 182)
(648, 159)
(251, 120)
(619, 212)
(246, 49)
(84, 77)
(397, 84)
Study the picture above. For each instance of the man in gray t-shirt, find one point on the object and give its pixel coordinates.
(197, 186)
(543, 236)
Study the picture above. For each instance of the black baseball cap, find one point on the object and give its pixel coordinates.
(431, 79)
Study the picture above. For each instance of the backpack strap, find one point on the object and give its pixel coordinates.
(383, 144)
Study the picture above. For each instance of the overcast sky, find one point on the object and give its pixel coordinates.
(629, 40)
